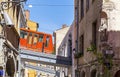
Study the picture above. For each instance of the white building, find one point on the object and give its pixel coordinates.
(59, 35)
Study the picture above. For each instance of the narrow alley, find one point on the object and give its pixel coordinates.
(64, 38)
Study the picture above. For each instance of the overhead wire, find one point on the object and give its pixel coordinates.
(49, 5)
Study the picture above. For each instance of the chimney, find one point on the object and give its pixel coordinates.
(27, 14)
(64, 26)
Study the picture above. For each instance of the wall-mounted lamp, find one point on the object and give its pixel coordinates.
(109, 52)
(6, 18)
(4, 5)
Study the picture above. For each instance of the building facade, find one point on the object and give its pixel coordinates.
(59, 35)
(87, 21)
(111, 19)
(31, 25)
(63, 44)
(10, 18)
(96, 52)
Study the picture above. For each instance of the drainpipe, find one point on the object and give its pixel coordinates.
(77, 25)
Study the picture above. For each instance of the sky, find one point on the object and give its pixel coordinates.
(51, 14)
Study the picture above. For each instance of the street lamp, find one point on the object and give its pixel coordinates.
(5, 3)
(5, 17)
(109, 53)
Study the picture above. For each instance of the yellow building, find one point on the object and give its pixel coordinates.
(31, 72)
(11, 18)
(15, 13)
(31, 24)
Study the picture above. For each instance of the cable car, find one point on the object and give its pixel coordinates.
(36, 41)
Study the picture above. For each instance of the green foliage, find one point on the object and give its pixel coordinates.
(92, 48)
(102, 59)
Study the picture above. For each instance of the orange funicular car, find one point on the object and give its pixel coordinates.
(36, 41)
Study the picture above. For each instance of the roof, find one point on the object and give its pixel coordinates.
(35, 31)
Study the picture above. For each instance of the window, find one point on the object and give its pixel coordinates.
(41, 38)
(94, 32)
(23, 34)
(17, 64)
(30, 38)
(82, 9)
(81, 44)
(47, 41)
(77, 73)
(103, 27)
(76, 16)
(35, 39)
(70, 46)
(87, 5)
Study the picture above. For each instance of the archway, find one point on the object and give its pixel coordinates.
(82, 74)
(117, 74)
(10, 67)
(104, 15)
(93, 73)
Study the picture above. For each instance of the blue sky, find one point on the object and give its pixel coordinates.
(51, 14)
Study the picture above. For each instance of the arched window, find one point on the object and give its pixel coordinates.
(103, 14)
(104, 19)
(103, 27)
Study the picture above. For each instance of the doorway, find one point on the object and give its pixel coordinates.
(117, 74)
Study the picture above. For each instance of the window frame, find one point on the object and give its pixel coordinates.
(22, 34)
(34, 38)
(82, 9)
(30, 36)
(87, 5)
(47, 41)
(94, 33)
(81, 44)
(40, 40)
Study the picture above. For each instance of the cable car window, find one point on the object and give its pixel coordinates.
(30, 39)
(47, 41)
(41, 38)
(35, 39)
(23, 34)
